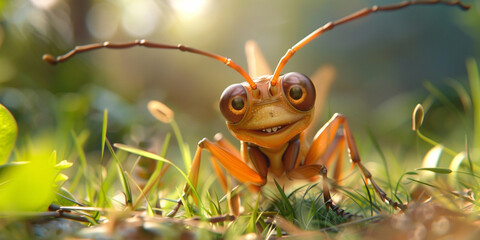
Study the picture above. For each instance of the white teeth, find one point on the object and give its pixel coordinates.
(270, 130)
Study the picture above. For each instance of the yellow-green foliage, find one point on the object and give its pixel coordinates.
(8, 134)
(29, 183)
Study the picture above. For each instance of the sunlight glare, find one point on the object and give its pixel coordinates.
(189, 8)
(140, 18)
(43, 4)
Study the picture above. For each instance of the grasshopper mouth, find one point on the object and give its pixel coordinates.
(273, 130)
(277, 128)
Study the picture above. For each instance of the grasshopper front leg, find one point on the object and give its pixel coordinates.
(228, 159)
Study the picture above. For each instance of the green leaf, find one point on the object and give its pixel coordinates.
(63, 165)
(61, 178)
(10, 166)
(30, 186)
(64, 198)
(436, 170)
(8, 134)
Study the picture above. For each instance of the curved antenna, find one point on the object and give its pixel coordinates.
(85, 48)
(359, 14)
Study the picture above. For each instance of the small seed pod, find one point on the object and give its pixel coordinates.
(160, 111)
(417, 117)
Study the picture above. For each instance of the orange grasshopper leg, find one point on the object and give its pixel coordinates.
(322, 145)
(228, 158)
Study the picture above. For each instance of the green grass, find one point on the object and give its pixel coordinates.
(102, 194)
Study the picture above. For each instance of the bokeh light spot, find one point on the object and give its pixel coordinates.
(102, 21)
(140, 18)
(43, 4)
(189, 8)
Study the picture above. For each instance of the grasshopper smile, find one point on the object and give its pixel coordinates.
(273, 129)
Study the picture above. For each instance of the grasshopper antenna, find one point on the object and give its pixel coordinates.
(85, 48)
(359, 14)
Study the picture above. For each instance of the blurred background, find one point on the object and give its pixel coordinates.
(382, 63)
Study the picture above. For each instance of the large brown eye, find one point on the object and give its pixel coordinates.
(238, 103)
(295, 92)
(299, 91)
(233, 103)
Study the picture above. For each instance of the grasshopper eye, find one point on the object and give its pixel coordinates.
(238, 103)
(295, 92)
(233, 103)
(299, 91)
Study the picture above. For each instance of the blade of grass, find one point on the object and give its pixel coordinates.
(188, 210)
(469, 158)
(122, 174)
(382, 156)
(446, 101)
(286, 207)
(462, 94)
(153, 156)
(158, 172)
(369, 196)
(104, 131)
(82, 171)
(252, 223)
(107, 184)
(312, 210)
(137, 161)
(142, 195)
(398, 184)
(474, 78)
(184, 150)
(308, 185)
(436, 170)
(446, 191)
(213, 209)
(102, 194)
(81, 154)
(359, 199)
(65, 198)
(469, 173)
(315, 211)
